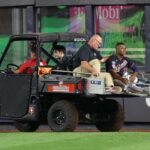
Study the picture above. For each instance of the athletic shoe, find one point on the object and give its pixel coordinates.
(147, 90)
(135, 93)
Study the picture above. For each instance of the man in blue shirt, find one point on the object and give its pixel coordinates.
(119, 65)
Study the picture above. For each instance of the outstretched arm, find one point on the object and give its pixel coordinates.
(15, 71)
(104, 59)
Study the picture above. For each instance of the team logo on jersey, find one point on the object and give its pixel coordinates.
(94, 54)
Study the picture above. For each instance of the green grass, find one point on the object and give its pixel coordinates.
(75, 141)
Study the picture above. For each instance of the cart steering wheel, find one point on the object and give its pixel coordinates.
(10, 66)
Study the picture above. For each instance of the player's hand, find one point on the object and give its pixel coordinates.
(125, 80)
(132, 78)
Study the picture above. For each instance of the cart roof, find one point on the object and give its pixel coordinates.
(53, 37)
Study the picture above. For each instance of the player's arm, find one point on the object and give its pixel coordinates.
(134, 68)
(115, 75)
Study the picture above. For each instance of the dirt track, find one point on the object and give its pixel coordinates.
(82, 128)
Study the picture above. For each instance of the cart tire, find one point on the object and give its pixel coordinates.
(112, 116)
(62, 116)
(26, 126)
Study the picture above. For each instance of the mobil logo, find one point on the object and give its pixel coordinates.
(109, 12)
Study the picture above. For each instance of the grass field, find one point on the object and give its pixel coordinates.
(75, 141)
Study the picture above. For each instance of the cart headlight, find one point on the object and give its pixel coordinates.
(31, 110)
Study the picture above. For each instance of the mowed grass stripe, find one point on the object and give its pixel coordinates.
(75, 141)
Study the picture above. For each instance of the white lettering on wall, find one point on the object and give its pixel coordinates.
(108, 12)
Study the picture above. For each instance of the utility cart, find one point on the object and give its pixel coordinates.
(57, 98)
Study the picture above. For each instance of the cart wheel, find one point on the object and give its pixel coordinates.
(111, 116)
(26, 126)
(62, 116)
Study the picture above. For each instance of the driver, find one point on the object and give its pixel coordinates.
(26, 67)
